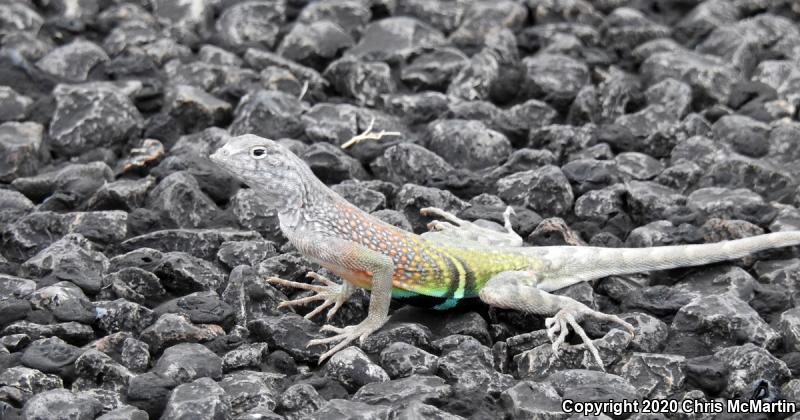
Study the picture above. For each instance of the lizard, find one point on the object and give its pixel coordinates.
(456, 259)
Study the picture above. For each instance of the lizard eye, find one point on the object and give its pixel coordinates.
(258, 152)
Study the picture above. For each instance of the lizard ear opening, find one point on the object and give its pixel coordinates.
(258, 152)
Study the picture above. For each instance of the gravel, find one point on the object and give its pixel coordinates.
(131, 267)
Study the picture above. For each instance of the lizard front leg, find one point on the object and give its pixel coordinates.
(517, 290)
(349, 256)
(330, 293)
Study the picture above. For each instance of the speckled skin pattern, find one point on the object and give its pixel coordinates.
(446, 265)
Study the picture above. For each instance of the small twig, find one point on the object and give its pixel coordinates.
(369, 135)
(303, 91)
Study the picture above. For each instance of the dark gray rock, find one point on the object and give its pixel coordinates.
(681, 177)
(13, 205)
(124, 194)
(350, 410)
(529, 399)
(65, 301)
(200, 243)
(470, 324)
(480, 18)
(171, 329)
(703, 19)
(416, 335)
(364, 81)
(475, 79)
(545, 190)
(62, 403)
(416, 108)
(150, 392)
(260, 59)
(250, 296)
(764, 178)
(122, 315)
(653, 375)
(187, 362)
(250, 391)
(409, 163)
(589, 385)
(179, 199)
(201, 399)
(354, 369)
(469, 367)
(411, 198)
(405, 390)
(71, 258)
(651, 201)
(91, 115)
(18, 384)
(75, 181)
(751, 363)
(360, 196)
(245, 252)
(710, 77)
(13, 106)
(15, 342)
(195, 109)
(638, 166)
(289, 333)
(350, 16)
(254, 23)
(128, 351)
(246, 356)
(725, 320)
(540, 362)
(125, 412)
(268, 114)
(400, 360)
(434, 69)
(136, 285)
(746, 135)
(554, 78)
(395, 39)
(562, 140)
(518, 120)
(315, 43)
(331, 164)
(183, 273)
(20, 148)
(73, 332)
(725, 203)
(94, 367)
(788, 327)
(626, 28)
(74, 61)
(590, 174)
(51, 355)
(201, 308)
(468, 144)
(300, 400)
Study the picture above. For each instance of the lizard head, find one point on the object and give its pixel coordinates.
(267, 167)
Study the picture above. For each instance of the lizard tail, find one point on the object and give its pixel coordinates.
(587, 263)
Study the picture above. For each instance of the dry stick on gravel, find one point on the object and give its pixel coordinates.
(369, 135)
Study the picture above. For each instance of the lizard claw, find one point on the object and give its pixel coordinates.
(346, 335)
(330, 293)
(570, 316)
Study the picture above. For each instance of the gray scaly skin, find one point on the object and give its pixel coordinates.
(456, 259)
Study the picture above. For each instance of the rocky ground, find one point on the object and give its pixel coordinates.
(131, 267)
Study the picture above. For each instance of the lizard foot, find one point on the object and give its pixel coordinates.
(330, 293)
(346, 335)
(571, 316)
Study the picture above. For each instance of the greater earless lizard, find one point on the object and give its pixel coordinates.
(457, 259)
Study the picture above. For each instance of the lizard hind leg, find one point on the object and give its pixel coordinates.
(456, 230)
(517, 290)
